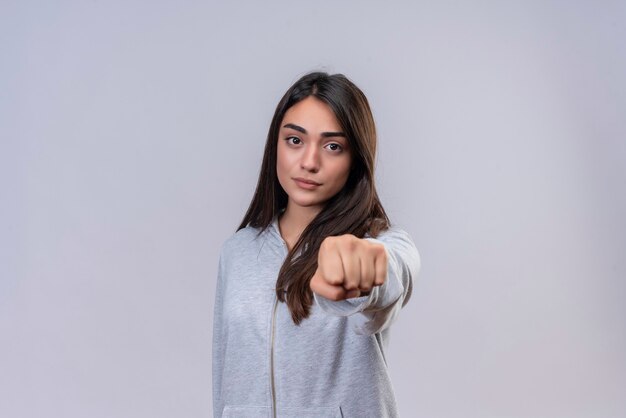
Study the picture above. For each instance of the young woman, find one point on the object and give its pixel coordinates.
(311, 281)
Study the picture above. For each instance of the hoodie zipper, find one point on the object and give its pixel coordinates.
(273, 331)
(272, 384)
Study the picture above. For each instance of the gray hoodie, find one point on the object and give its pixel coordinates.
(332, 365)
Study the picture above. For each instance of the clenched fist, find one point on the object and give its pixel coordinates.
(348, 266)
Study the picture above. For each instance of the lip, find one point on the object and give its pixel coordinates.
(306, 184)
(300, 179)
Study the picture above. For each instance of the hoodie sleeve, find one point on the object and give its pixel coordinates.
(376, 311)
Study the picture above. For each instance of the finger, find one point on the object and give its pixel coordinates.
(368, 273)
(351, 268)
(325, 289)
(330, 265)
(381, 267)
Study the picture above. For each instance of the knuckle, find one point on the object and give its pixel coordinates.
(380, 250)
(350, 285)
(347, 241)
(328, 242)
(334, 279)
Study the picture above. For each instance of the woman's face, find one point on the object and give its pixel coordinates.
(312, 146)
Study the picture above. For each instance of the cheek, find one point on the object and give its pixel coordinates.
(280, 158)
(287, 158)
(345, 169)
(283, 163)
(341, 174)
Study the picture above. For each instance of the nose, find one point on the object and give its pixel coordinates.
(310, 159)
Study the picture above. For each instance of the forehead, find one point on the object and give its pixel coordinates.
(312, 113)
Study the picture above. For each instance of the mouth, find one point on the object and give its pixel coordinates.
(302, 180)
(306, 184)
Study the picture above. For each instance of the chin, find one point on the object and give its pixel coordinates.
(298, 200)
(307, 203)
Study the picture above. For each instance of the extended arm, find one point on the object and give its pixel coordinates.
(377, 310)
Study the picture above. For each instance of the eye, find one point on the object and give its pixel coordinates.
(335, 147)
(295, 138)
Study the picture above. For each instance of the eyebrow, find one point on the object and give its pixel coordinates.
(324, 134)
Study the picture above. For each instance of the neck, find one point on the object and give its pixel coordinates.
(294, 220)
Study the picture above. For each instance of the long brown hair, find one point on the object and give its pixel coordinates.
(354, 210)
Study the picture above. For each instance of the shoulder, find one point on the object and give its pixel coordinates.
(245, 238)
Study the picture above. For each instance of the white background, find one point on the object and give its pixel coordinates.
(131, 139)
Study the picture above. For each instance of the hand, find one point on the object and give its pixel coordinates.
(347, 266)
